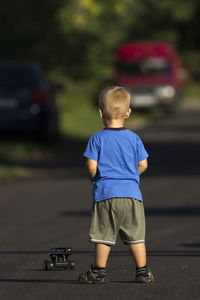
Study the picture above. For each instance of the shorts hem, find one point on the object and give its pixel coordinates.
(133, 242)
(102, 242)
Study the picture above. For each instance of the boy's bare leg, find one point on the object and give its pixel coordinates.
(139, 253)
(101, 255)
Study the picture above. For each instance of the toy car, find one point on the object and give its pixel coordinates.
(59, 259)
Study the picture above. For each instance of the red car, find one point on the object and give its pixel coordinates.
(152, 72)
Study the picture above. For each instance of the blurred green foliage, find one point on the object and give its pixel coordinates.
(79, 38)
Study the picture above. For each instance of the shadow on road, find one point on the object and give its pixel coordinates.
(37, 281)
(180, 211)
(35, 159)
(116, 252)
(174, 144)
(173, 158)
(193, 245)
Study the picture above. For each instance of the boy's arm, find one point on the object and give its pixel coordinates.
(91, 168)
(142, 166)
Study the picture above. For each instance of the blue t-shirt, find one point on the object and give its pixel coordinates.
(117, 153)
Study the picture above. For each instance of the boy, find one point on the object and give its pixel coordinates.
(115, 157)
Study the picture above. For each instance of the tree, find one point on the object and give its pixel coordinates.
(80, 37)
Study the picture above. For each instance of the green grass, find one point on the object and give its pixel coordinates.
(191, 91)
(78, 112)
(80, 120)
(80, 117)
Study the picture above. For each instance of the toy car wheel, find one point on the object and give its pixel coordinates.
(72, 265)
(48, 265)
(51, 266)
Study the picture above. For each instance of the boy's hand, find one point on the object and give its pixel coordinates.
(91, 168)
(142, 166)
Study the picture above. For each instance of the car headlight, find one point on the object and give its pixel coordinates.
(167, 91)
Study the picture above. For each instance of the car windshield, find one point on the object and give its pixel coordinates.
(145, 67)
(17, 76)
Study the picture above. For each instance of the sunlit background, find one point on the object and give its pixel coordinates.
(75, 46)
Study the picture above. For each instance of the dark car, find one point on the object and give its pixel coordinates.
(26, 104)
(152, 72)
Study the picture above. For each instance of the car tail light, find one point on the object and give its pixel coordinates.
(40, 96)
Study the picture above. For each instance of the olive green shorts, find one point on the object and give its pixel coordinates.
(118, 215)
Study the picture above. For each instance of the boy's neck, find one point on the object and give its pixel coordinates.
(118, 123)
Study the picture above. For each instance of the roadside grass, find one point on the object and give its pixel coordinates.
(25, 157)
(80, 117)
(191, 91)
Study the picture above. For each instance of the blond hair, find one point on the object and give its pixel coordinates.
(114, 102)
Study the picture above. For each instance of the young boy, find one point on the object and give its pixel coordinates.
(115, 159)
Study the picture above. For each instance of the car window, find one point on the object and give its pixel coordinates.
(18, 76)
(149, 66)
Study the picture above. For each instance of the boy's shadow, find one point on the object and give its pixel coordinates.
(122, 281)
(15, 280)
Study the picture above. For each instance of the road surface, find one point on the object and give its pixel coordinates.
(54, 211)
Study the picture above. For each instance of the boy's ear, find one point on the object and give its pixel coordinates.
(128, 113)
(100, 112)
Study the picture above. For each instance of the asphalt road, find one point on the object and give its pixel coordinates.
(54, 211)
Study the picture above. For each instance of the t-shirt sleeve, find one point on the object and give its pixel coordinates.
(92, 149)
(141, 151)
